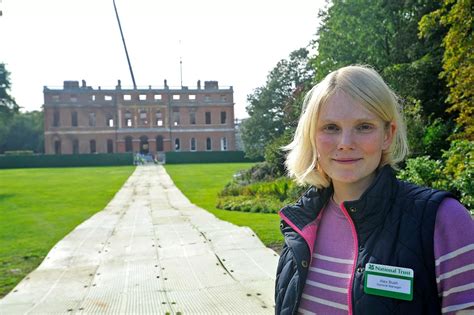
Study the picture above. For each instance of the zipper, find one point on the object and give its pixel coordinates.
(356, 257)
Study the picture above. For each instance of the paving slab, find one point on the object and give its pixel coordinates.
(150, 251)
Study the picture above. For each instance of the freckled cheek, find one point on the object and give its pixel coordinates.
(370, 144)
(325, 143)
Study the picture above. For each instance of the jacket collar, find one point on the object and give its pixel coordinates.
(371, 208)
(367, 212)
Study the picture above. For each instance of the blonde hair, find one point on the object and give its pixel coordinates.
(367, 87)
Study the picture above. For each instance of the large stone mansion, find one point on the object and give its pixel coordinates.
(81, 119)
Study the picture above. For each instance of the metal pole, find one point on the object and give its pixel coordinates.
(125, 46)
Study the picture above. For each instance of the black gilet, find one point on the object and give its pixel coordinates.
(394, 222)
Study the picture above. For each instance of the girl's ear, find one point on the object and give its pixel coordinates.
(389, 134)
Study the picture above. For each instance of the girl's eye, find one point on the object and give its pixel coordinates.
(365, 127)
(331, 128)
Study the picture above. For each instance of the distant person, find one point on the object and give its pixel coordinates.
(359, 241)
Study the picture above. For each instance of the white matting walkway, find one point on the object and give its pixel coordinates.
(151, 251)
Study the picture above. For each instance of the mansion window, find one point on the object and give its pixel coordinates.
(128, 144)
(193, 144)
(159, 119)
(128, 119)
(224, 144)
(159, 143)
(92, 119)
(208, 144)
(56, 118)
(57, 147)
(175, 117)
(223, 117)
(75, 146)
(192, 118)
(208, 118)
(74, 119)
(143, 117)
(177, 145)
(110, 121)
(92, 146)
(110, 146)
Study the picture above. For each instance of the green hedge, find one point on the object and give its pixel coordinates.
(206, 157)
(24, 161)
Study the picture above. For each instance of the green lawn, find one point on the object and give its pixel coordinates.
(201, 183)
(38, 207)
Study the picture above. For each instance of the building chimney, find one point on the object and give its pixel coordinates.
(199, 84)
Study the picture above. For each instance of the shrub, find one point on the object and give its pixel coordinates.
(19, 152)
(262, 196)
(454, 172)
(423, 171)
(459, 170)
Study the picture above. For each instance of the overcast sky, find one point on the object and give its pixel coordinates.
(44, 42)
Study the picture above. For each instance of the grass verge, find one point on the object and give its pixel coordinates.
(38, 207)
(202, 182)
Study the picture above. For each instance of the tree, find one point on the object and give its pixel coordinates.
(458, 58)
(383, 34)
(8, 105)
(268, 105)
(25, 132)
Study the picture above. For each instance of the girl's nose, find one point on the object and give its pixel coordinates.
(346, 140)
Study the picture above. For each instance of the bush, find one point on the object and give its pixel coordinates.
(435, 138)
(275, 156)
(259, 172)
(250, 204)
(261, 196)
(459, 170)
(19, 152)
(423, 171)
(453, 173)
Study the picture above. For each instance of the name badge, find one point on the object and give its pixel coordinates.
(389, 281)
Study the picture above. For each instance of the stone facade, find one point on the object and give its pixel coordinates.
(80, 119)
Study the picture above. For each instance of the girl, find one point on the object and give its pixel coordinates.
(359, 241)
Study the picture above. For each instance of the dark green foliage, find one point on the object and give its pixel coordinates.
(435, 137)
(275, 155)
(7, 102)
(263, 171)
(8, 106)
(384, 35)
(25, 132)
(34, 161)
(207, 157)
(19, 152)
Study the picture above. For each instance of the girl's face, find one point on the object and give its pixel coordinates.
(350, 140)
